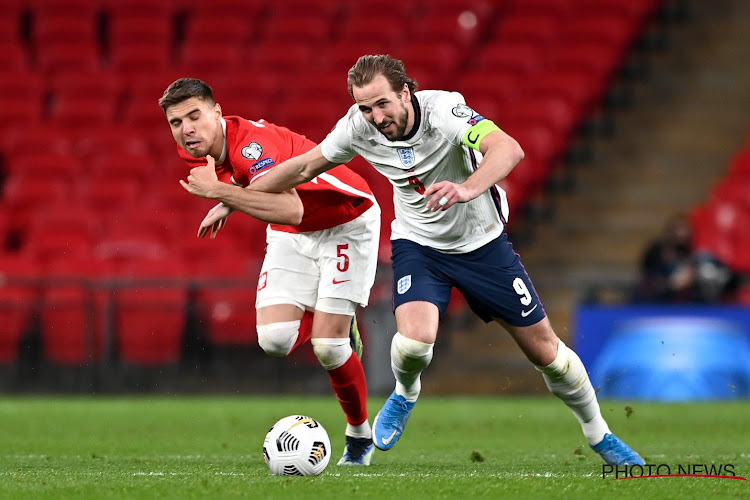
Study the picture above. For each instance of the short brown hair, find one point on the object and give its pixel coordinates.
(185, 88)
(368, 67)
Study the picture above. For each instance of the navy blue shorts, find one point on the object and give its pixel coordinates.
(491, 278)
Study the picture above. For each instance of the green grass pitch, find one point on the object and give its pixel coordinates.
(493, 447)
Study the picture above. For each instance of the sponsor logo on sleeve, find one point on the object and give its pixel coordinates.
(406, 155)
(252, 151)
(475, 119)
(260, 165)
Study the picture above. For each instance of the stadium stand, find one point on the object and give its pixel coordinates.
(83, 127)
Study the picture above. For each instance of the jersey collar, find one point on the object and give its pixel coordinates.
(417, 118)
(224, 149)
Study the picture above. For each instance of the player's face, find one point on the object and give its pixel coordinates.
(390, 111)
(196, 126)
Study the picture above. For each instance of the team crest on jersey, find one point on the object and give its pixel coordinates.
(252, 151)
(403, 284)
(406, 155)
(462, 111)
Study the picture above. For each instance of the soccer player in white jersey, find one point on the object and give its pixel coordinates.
(444, 161)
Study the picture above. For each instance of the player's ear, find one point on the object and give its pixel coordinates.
(217, 109)
(406, 93)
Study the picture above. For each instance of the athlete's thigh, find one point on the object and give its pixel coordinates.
(348, 258)
(418, 321)
(418, 277)
(496, 285)
(287, 276)
(279, 313)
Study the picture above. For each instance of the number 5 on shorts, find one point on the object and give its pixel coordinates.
(342, 265)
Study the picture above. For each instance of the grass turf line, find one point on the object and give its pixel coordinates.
(206, 447)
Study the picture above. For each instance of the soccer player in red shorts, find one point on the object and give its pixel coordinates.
(322, 239)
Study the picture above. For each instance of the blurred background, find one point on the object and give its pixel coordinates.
(628, 210)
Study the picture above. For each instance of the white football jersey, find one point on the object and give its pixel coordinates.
(433, 152)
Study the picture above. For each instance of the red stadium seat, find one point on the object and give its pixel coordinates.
(74, 312)
(342, 54)
(210, 56)
(315, 30)
(114, 140)
(226, 299)
(367, 27)
(150, 312)
(123, 167)
(64, 8)
(22, 96)
(13, 56)
(285, 57)
(83, 113)
(476, 86)
(535, 29)
(143, 112)
(140, 57)
(34, 138)
(51, 246)
(200, 28)
(109, 195)
(556, 8)
(462, 27)
(42, 163)
(142, 27)
(443, 58)
(634, 11)
(19, 290)
(313, 9)
(101, 84)
(68, 57)
(54, 28)
(24, 196)
(519, 58)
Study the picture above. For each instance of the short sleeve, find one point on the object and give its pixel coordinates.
(452, 116)
(337, 146)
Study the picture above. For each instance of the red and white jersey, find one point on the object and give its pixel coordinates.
(333, 198)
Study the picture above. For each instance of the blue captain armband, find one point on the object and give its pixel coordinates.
(477, 132)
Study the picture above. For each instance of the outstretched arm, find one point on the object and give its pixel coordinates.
(501, 153)
(284, 207)
(293, 172)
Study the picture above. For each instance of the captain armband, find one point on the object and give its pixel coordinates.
(474, 135)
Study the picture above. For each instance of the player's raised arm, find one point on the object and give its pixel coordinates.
(293, 172)
(501, 153)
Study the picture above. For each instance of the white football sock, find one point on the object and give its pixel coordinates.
(362, 430)
(567, 379)
(408, 359)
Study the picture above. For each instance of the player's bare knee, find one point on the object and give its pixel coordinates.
(277, 339)
(332, 352)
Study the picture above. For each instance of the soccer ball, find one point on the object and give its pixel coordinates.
(297, 446)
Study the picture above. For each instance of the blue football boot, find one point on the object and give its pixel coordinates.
(614, 451)
(390, 421)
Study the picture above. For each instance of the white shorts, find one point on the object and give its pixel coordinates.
(304, 269)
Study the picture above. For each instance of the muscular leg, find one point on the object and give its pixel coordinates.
(563, 373)
(411, 348)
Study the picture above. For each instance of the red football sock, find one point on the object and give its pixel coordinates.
(350, 386)
(305, 330)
